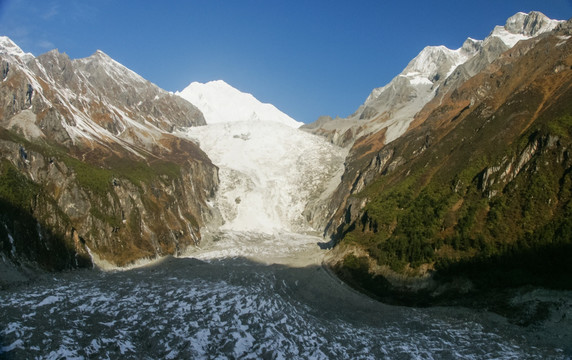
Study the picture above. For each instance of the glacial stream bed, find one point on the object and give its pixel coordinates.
(241, 307)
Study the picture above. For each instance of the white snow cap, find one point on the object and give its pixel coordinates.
(8, 47)
(220, 103)
(522, 26)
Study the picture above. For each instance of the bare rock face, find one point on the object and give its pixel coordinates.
(91, 169)
(532, 24)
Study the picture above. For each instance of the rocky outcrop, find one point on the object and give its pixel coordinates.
(340, 132)
(494, 178)
(98, 215)
(92, 170)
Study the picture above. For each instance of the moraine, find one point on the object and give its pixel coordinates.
(239, 308)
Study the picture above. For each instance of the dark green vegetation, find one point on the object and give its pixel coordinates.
(520, 234)
(21, 201)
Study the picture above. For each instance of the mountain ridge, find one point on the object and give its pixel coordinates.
(474, 198)
(394, 105)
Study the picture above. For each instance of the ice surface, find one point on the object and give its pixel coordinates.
(18, 344)
(49, 300)
(268, 172)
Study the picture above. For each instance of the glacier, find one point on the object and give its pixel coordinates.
(269, 172)
(185, 308)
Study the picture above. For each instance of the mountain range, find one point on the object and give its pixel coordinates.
(453, 178)
(101, 168)
(90, 170)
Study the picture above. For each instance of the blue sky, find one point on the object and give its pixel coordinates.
(309, 58)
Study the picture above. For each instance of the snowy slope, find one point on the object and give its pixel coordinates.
(435, 61)
(416, 85)
(94, 100)
(8, 47)
(220, 102)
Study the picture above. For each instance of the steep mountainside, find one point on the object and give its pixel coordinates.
(477, 194)
(90, 169)
(221, 103)
(435, 71)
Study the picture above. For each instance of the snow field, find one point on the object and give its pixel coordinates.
(221, 103)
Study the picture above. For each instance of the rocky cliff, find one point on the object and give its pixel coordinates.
(475, 195)
(91, 171)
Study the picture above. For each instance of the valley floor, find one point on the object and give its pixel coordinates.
(244, 306)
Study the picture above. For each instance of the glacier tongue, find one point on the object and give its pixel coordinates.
(268, 173)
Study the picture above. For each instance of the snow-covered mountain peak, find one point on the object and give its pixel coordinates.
(220, 103)
(426, 57)
(522, 26)
(430, 73)
(434, 61)
(471, 46)
(432, 64)
(99, 54)
(94, 100)
(531, 24)
(8, 47)
(114, 69)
